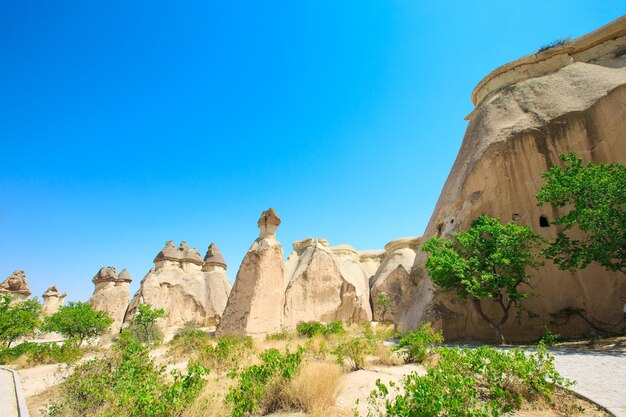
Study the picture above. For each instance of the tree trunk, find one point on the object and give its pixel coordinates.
(494, 327)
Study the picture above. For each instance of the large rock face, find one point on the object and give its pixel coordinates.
(111, 294)
(52, 301)
(255, 305)
(317, 288)
(567, 99)
(16, 285)
(392, 277)
(188, 288)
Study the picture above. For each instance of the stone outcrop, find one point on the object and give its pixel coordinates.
(16, 285)
(111, 294)
(52, 301)
(325, 284)
(392, 277)
(567, 99)
(188, 288)
(370, 261)
(256, 301)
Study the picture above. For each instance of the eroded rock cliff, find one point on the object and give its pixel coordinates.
(569, 99)
(111, 294)
(52, 301)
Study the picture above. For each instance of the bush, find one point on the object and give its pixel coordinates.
(415, 345)
(144, 334)
(471, 382)
(78, 321)
(128, 383)
(36, 354)
(17, 319)
(188, 340)
(261, 387)
(314, 388)
(313, 328)
(351, 353)
(227, 353)
(549, 338)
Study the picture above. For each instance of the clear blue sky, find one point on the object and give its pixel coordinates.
(126, 124)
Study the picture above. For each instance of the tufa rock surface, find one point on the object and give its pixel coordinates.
(318, 288)
(16, 285)
(111, 294)
(188, 288)
(392, 277)
(52, 301)
(568, 99)
(255, 305)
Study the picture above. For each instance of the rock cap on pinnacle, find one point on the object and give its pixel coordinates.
(53, 291)
(125, 276)
(16, 283)
(105, 274)
(214, 256)
(268, 223)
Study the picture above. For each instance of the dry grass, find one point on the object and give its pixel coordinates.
(314, 389)
(211, 401)
(385, 356)
(564, 404)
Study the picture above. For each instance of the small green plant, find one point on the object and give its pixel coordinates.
(414, 345)
(351, 353)
(313, 328)
(227, 353)
(259, 386)
(383, 303)
(36, 354)
(188, 340)
(79, 322)
(549, 338)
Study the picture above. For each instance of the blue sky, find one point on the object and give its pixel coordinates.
(126, 124)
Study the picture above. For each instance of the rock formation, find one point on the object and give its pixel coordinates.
(111, 294)
(570, 98)
(256, 301)
(188, 288)
(370, 261)
(325, 284)
(52, 301)
(392, 277)
(16, 285)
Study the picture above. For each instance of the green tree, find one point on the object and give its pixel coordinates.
(17, 319)
(594, 228)
(488, 261)
(146, 318)
(78, 321)
(383, 303)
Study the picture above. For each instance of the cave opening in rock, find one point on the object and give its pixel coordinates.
(543, 221)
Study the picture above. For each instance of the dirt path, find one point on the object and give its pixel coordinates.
(7, 394)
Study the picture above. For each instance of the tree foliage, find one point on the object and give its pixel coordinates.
(78, 321)
(17, 319)
(489, 261)
(594, 228)
(146, 318)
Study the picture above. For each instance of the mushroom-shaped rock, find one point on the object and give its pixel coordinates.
(168, 252)
(111, 294)
(16, 285)
(255, 305)
(268, 223)
(213, 258)
(52, 301)
(186, 288)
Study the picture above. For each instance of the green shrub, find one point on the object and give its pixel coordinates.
(37, 354)
(144, 334)
(227, 353)
(127, 383)
(313, 328)
(188, 340)
(549, 338)
(477, 382)
(351, 353)
(259, 386)
(414, 345)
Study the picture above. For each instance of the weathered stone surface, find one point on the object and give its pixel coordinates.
(16, 285)
(111, 294)
(516, 133)
(317, 290)
(256, 301)
(392, 277)
(370, 261)
(187, 290)
(52, 301)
